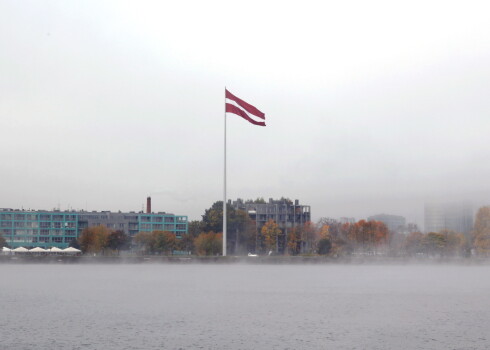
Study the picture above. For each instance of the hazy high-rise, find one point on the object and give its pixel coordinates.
(456, 217)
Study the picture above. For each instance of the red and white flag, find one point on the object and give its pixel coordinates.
(243, 109)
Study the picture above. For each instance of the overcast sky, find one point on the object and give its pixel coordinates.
(371, 107)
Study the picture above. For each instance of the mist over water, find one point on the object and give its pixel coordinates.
(244, 307)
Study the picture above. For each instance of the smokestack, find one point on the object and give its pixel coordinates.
(148, 205)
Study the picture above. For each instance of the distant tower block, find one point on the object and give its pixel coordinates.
(148, 205)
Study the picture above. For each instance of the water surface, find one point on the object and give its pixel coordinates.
(164, 306)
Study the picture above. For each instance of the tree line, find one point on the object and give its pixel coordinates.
(326, 237)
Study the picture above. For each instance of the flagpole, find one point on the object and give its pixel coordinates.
(224, 190)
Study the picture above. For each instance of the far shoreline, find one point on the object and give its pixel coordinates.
(260, 260)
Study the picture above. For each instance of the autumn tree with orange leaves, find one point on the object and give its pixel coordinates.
(294, 241)
(270, 231)
(368, 235)
(94, 239)
(337, 233)
(209, 243)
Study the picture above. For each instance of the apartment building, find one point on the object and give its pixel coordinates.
(55, 228)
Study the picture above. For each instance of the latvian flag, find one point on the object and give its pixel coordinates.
(243, 109)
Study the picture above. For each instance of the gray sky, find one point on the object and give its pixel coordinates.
(371, 107)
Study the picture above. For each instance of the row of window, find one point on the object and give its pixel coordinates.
(53, 239)
(42, 217)
(72, 231)
(289, 218)
(36, 224)
(26, 240)
(71, 217)
(157, 219)
(160, 227)
(109, 225)
(42, 232)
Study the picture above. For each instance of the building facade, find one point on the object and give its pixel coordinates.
(59, 228)
(457, 217)
(286, 213)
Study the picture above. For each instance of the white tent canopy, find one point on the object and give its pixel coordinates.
(53, 250)
(37, 250)
(71, 250)
(20, 250)
(56, 250)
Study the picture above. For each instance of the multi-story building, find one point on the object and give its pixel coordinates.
(394, 223)
(286, 213)
(59, 228)
(456, 217)
(38, 228)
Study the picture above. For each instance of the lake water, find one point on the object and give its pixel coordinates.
(165, 306)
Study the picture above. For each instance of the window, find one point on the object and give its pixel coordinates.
(169, 219)
(57, 217)
(57, 239)
(157, 227)
(18, 224)
(69, 232)
(31, 216)
(180, 226)
(43, 239)
(6, 216)
(45, 217)
(44, 232)
(6, 224)
(169, 227)
(145, 218)
(146, 226)
(19, 217)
